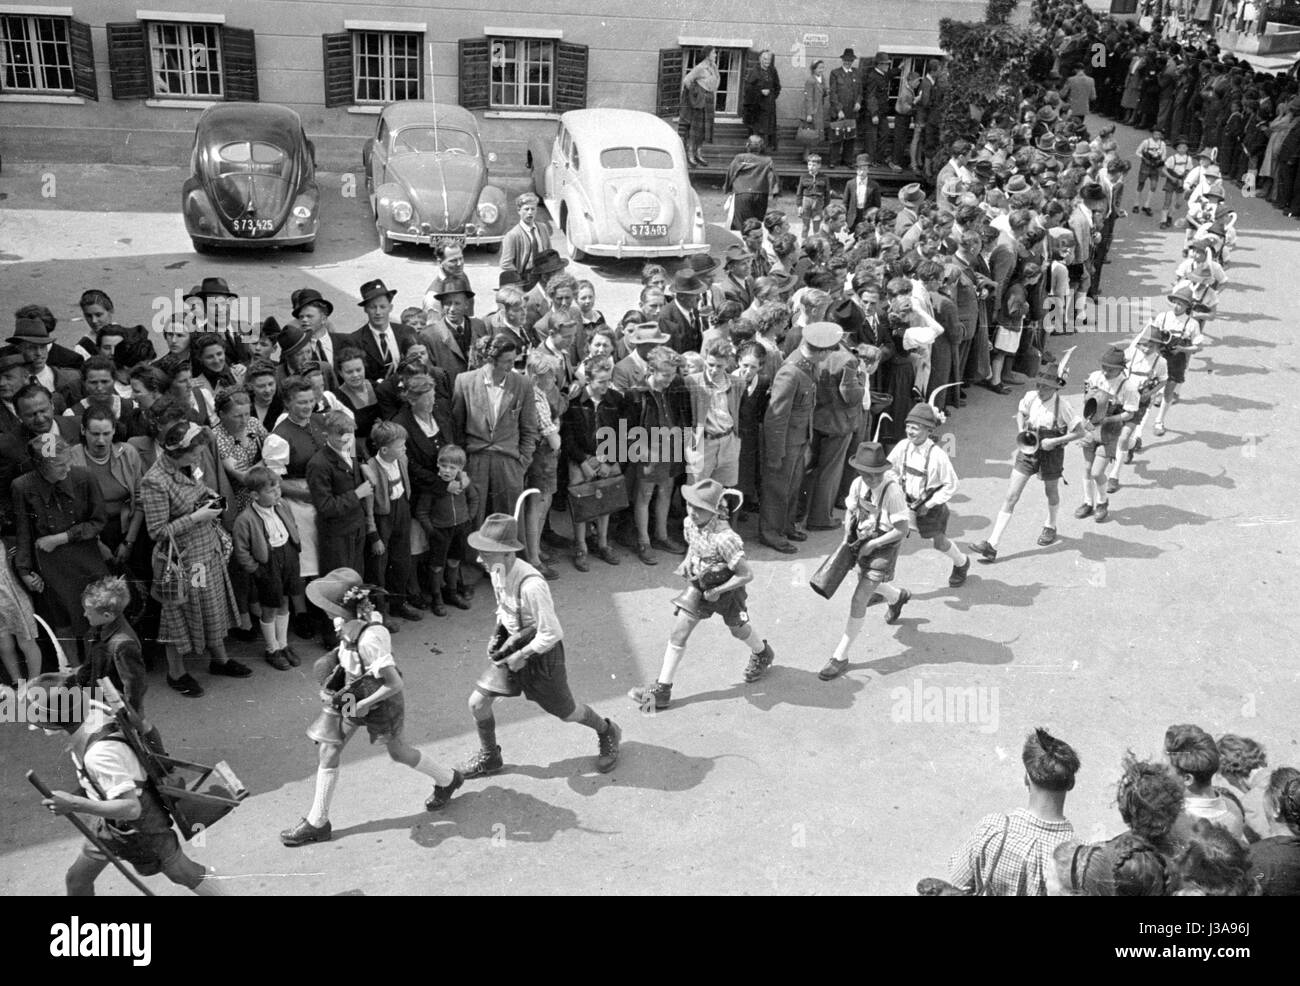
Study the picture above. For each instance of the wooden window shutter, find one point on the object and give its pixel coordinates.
(473, 84)
(128, 60)
(83, 60)
(239, 63)
(338, 69)
(570, 76)
(671, 62)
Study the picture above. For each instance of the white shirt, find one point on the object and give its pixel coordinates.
(326, 343)
(276, 533)
(496, 392)
(538, 609)
(1055, 413)
(932, 462)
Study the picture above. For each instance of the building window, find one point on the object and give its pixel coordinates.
(186, 60)
(523, 74)
(385, 66)
(731, 68)
(36, 53)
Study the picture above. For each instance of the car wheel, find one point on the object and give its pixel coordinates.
(385, 241)
(201, 247)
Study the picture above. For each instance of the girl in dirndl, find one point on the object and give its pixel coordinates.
(876, 520)
(1053, 424)
(371, 695)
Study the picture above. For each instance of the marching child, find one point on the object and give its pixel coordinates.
(361, 682)
(1176, 168)
(717, 573)
(1050, 424)
(1117, 400)
(812, 193)
(266, 545)
(1183, 331)
(390, 552)
(1146, 368)
(929, 482)
(876, 519)
(446, 512)
(1201, 212)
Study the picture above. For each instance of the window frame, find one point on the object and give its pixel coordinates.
(37, 66)
(388, 82)
(732, 98)
(521, 84)
(216, 67)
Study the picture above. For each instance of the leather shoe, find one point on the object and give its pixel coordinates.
(277, 660)
(186, 685)
(892, 614)
(958, 576)
(796, 535)
(230, 668)
(305, 833)
(441, 795)
(407, 612)
(833, 669)
(785, 547)
(669, 545)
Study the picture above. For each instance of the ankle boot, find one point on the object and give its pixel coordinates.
(435, 593)
(465, 591)
(451, 591)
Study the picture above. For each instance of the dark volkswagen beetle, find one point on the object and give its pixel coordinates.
(253, 180)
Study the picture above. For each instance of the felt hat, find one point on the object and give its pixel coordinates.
(11, 357)
(1215, 191)
(701, 263)
(983, 169)
(862, 161)
(508, 277)
(1047, 114)
(1046, 142)
(1016, 185)
(1182, 293)
(923, 414)
(773, 219)
(736, 252)
(1051, 374)
(213, 286)
(822, 335)
(870, 458)
(706, 494)
(685, 282)
(271, 328)
(785, 281)
(849, 55)
(303, 297)
(292, 339)
(1064, 147)
(194, 292)
(499, 533)
(330, 592)
(31, 330)
(912, 194)
(1113, 359)
(648, 332)
(372, 290)
(455, 284)
(1206, 154)
(1081, 149)
(549, 262)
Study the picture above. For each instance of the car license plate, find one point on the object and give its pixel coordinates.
(645, 231)
(453, 239)
(252, 226)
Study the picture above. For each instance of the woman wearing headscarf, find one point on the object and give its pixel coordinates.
(761, 91)
(699, 103)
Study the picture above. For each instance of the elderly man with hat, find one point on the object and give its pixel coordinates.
(845, 103)
(450, 338)
(876, 520)
(527, 241)
(788, 435)
(841, 383)
(33, 340)
(525, 653)
(751, 180)
(681, 320)
(861, 194)
(381, 340)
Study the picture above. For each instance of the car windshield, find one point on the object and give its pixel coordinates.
(434, 140)
(633, 157)
(243, 157)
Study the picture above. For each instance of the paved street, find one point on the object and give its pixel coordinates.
(1180, 609)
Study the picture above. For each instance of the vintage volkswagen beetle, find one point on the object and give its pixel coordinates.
(615, 182)
(427, 177)
(253, 179)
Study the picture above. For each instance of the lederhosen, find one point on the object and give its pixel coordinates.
(383, 719)
(883, 560)
(1047, 465)
(1176, 359)
(1146, 390)
(1105, 436)
(732, 605)
(934, 522)
(148, 843)
(543, 679)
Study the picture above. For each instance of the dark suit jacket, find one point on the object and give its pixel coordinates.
(422, 451)
(845, 90)
(364, 340)
(685, 338)
(788, 423)
(839, 394)
(515, 432)
(333, 492)
(850, 199)
(443, 348)
(875, 96)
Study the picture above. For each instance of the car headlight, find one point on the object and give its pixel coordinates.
(301, 212)
(402, 211)
(488, 212)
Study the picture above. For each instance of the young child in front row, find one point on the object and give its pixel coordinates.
(812, 194)
(389, 560)
(446, 513)
(717, 573)
(266, 543)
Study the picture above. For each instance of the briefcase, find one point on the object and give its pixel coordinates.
(826, 580)
(597, 498)
(843, 129)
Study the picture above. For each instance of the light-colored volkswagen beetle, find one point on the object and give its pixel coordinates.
(616, 184)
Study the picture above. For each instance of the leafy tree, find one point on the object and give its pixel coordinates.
(988, 63)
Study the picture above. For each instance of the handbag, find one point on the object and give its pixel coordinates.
(597, 498)
(806, 136)
(170, 583)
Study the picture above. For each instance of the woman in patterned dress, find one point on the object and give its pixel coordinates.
(239, 437)
(179, 508)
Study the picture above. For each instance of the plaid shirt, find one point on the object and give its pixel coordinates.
(1017, 868)
(711, 546)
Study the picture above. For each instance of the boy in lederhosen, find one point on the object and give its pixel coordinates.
(1050, 424)
(876, 519)
(1185, 338)
(929, 482)
(1117, 402)
(361, 682)
(812, 194)
(1146, 368)
(525, 655)
(716, 569)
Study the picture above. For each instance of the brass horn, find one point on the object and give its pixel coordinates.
(884, 416)
(328, 727)
(1027, 441)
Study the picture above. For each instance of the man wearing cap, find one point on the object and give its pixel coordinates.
(861, 194)
(381, 340)
(493, 410)
(876, 520)
(837, 414)
(750, 180)
(33, 340)
(631, 371)
(526, 241)
(787, 435)
(845, 97)
(451, 336)
(875, 105)
(681, 320)
(525, 653)
(451, 263)
(312, 312)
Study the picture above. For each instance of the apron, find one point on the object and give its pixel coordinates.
(304, 515)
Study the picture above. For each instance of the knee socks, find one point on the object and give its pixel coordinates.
(281, 630)
(672, 657)
(326, 779)
(442, 776)
(999, 527)
(851, 630)
(268, 634)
